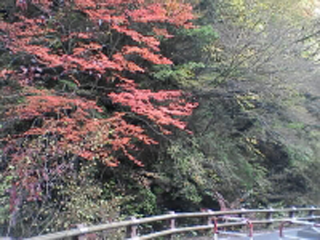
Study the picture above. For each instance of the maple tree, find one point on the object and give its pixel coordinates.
(98, 45)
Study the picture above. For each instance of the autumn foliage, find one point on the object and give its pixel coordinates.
(70, 47)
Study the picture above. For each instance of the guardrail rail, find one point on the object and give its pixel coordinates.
(215, 220)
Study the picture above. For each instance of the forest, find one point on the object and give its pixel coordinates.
(118, 108)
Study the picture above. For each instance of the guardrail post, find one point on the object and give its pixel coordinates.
(210, 217)
(240, 215)
(172, 223)
(269, 216)
(215, 229)
(172, 220)
(132, 231)
(311, 212)
(292, 213)
(215, 222)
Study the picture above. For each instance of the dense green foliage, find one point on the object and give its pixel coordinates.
(255, 137)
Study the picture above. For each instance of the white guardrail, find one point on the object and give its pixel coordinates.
(215, 220)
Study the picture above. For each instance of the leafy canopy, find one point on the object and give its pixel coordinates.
(78, 70)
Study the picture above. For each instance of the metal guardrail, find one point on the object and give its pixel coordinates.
(297, 222)
(212, 223)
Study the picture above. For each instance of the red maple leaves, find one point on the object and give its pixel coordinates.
(76, 125)
(30, 35)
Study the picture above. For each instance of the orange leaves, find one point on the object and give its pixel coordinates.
(113, 38)
(77, 130)
(6, 72)
(39, 105)
(180, 14)
(116, 15)
(85, 4)
(172, 11)
(142, 102)
(86, 154)
(146, 54)
(51, 60)
(162, 32)
(79, 50)
(106, 16)
(34, 131)
(151, 13)
(99, 63)
(76, 45)
(151, 42)
(125, 64)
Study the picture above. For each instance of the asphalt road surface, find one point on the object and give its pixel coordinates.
(266, 236)
(297, 233)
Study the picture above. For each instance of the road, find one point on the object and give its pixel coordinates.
(265, 236)
(297, 233)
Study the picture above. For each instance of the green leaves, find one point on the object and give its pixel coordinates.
(185, 75)
(69, 84)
